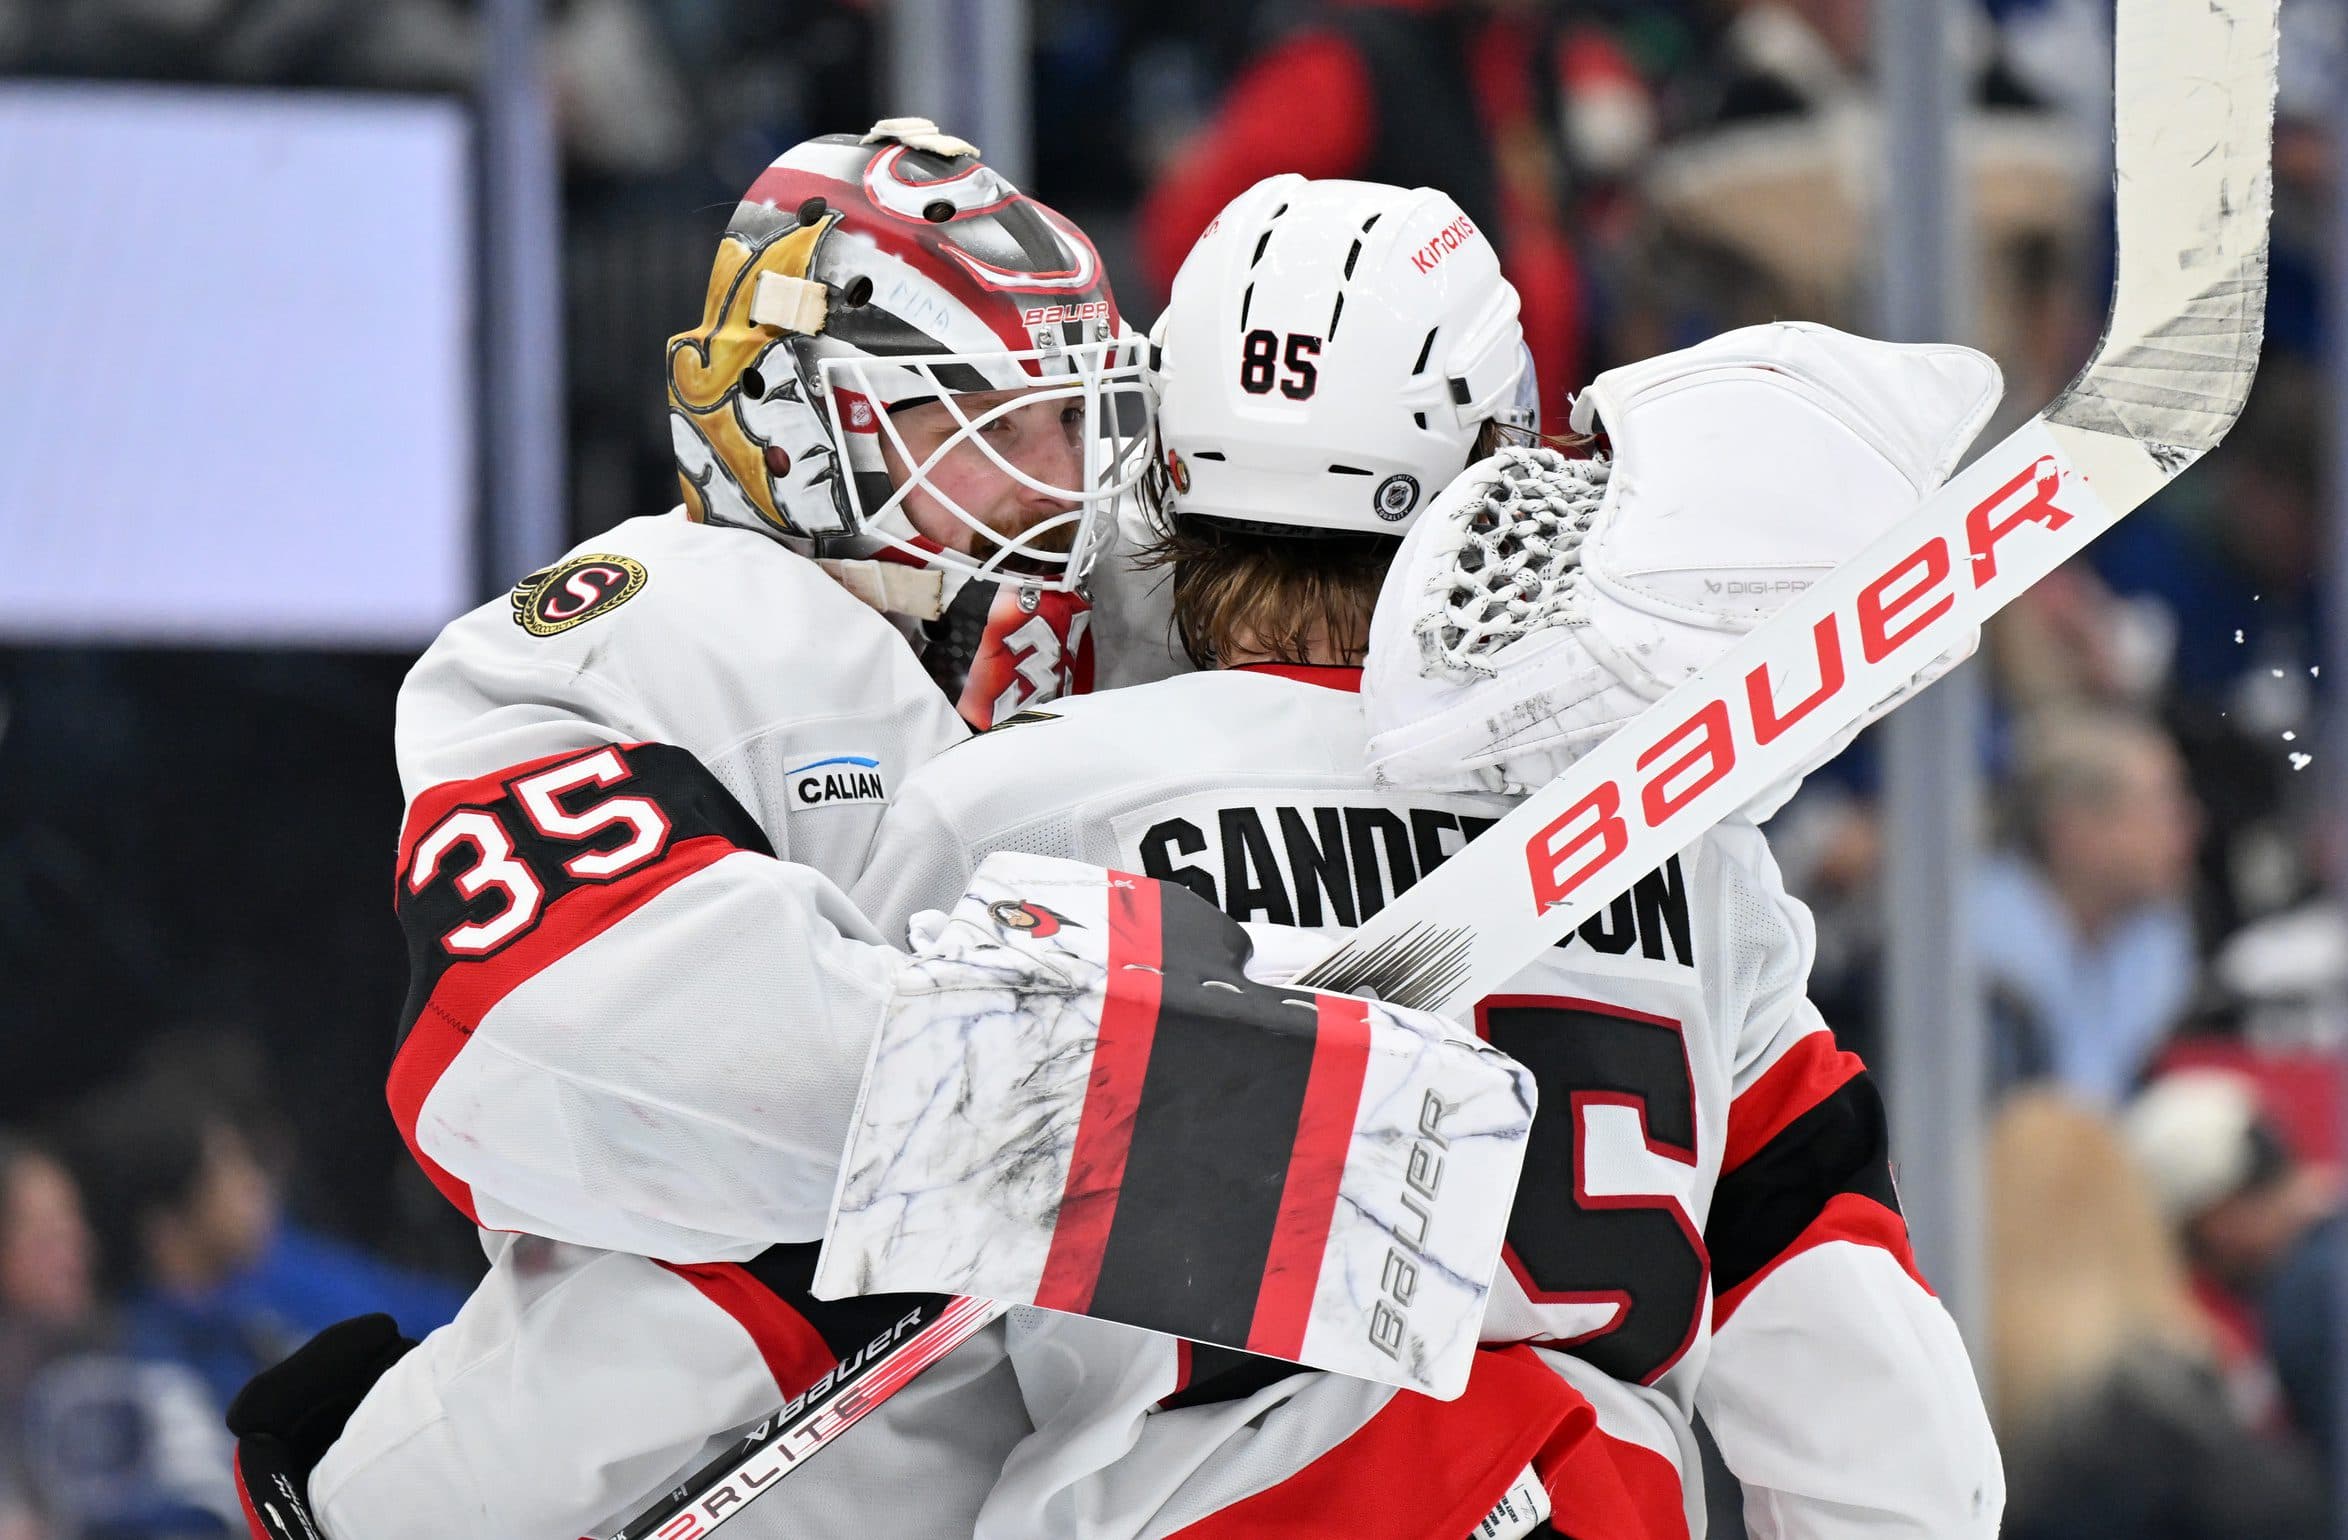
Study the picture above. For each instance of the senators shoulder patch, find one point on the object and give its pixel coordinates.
(571, 593)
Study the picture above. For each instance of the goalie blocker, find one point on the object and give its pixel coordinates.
(1080, 1099)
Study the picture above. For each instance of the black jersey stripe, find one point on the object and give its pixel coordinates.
(1839, 1146)
(693, 800)
(1220, 1374)
(1212, 1136)
(788, 1273)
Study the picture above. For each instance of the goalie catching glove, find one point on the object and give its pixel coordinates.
(1543, 602)
(1081, 1099)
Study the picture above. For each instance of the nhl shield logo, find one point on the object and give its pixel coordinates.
(1396, 496)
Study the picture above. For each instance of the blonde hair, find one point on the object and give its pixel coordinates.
(2073, 755)
(2082, 1270)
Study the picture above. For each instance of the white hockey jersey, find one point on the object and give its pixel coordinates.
(638, 1014)
(638, 1001)
(577, 1385)
(1706, 1218)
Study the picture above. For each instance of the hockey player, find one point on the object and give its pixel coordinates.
(1706, 1221)
(906, 416)
(640, 1003)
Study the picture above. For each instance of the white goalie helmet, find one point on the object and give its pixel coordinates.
(1329, 357)
(919, 375)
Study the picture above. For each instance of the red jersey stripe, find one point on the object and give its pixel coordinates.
(794, 1351)
(468, 990)
(1847, 1216)
(1112, 1098)
(1808, 1072)
(1316, 1167)
(1420, 1469)
(432, 1045)
(1600, 1485)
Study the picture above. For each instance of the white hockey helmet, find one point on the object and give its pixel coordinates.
(1331, 352)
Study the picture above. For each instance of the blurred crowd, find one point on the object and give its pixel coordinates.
(2168, 980)
(148, 1268)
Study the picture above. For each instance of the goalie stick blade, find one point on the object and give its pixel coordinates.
(2194, 119)
(2193, 104)
(751, 1465)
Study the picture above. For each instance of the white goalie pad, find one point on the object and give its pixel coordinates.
(1081, 1100)
(1543, 602)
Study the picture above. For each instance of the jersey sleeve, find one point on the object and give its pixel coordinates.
(576, 1385)
(1136, 1432)
(628, 1025)
(639, 999)
(921, 856)
(1837, 1386)
(1013, 787)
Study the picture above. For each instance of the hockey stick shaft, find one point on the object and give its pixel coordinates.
(2195, 101)
(724, 1487)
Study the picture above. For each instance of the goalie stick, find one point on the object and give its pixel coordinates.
(774, 1448)
(2194, 88)
(2194, 109)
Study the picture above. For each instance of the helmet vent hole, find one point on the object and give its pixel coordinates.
(1262, 241)
(1246, 303)
(812, 210)
(1347, 470)
(1353, 256)
(938, 211)
(1425, 348)
(1459, 391)
(1208, 454)
(754, 384)
(859, 292)
(1335, 311)
(1421, 419)
(1373, 219)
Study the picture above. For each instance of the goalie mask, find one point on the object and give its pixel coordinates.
(918, 374)
(1330, 358)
